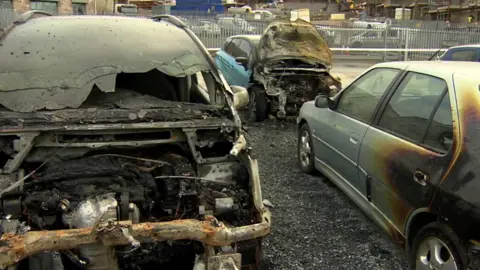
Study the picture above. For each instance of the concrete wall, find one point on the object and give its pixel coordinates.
(462, 16)
(105, 6)
(64, 7)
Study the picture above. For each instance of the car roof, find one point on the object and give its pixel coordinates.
(443, 69)
(253, 38)
(466, 46)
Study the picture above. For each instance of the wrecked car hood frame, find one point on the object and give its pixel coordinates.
(33, 76)
(293, 40)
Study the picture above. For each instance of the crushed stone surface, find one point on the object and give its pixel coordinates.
(315, 226)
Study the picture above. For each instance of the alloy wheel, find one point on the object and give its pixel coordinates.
(305, 150)
(434, 254)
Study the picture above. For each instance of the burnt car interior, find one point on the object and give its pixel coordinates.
(77, 178)
(157, 86)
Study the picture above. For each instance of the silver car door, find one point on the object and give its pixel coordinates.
(338, 133)
(404, 151)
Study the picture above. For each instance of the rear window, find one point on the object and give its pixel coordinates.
(471, 55)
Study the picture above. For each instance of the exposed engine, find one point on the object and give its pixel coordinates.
(87, 191)
(290, 84)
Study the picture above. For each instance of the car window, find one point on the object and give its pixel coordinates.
(371, 34)
(465, 55)
(245, 49)
(439, 136)
(408, 112)
(233, 48)
(390, 33)
(362, 96)
(226, 46)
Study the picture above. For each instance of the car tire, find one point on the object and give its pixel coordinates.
(439, 236)
(258, 105)
(305, 151)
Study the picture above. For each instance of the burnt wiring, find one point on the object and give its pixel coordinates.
(21, 181)
(193, 178)
(136, 158)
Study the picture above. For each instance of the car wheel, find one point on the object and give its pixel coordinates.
(258, 105)
(436, 246)
(305, 150)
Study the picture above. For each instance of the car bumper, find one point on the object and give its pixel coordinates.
(211, 232)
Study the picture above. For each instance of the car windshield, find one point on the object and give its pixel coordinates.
(54, 63)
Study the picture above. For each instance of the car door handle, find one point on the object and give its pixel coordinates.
(420, 177)
(353, 140)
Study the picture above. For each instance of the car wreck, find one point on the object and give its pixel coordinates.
(285, 67)
(122, 151)
(294, 66)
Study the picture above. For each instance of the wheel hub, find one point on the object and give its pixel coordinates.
(305, 149)
(434, 254)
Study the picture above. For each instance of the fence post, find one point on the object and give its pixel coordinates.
(407, 39)
(388, 24)
(385, 43)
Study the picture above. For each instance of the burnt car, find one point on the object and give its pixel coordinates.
(283, 68)
(121, 148)
(400, 141)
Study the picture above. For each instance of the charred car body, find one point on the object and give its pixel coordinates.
(122, 150)
(285, 67)
(400, 141)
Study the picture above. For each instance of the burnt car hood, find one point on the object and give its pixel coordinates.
(293, 40)
(82, 51)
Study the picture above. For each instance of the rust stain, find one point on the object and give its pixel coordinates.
(13, 248)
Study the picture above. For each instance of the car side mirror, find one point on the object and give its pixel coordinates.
(243, 61)
(240, 96)
(322, 101)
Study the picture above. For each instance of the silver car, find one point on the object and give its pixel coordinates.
(402, 142)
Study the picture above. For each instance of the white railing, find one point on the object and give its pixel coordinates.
(391, 43)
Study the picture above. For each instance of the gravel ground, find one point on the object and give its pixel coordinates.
(315, 226)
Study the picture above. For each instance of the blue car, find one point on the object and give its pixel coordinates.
(236, 59)
(468, 53)
(283, 68)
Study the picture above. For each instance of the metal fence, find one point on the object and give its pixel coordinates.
(6, 17)
(388, 43)
(384, 43)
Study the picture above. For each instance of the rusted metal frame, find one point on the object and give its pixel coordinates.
(198, 124)
(197, 156)
(14, 248)
(50, 140)
(24, 145)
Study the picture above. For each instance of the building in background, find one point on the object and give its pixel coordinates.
(79, 7)
(204, 6)
(454, 11)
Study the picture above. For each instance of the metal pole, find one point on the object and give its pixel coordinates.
(407, 37)
(387, 26)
